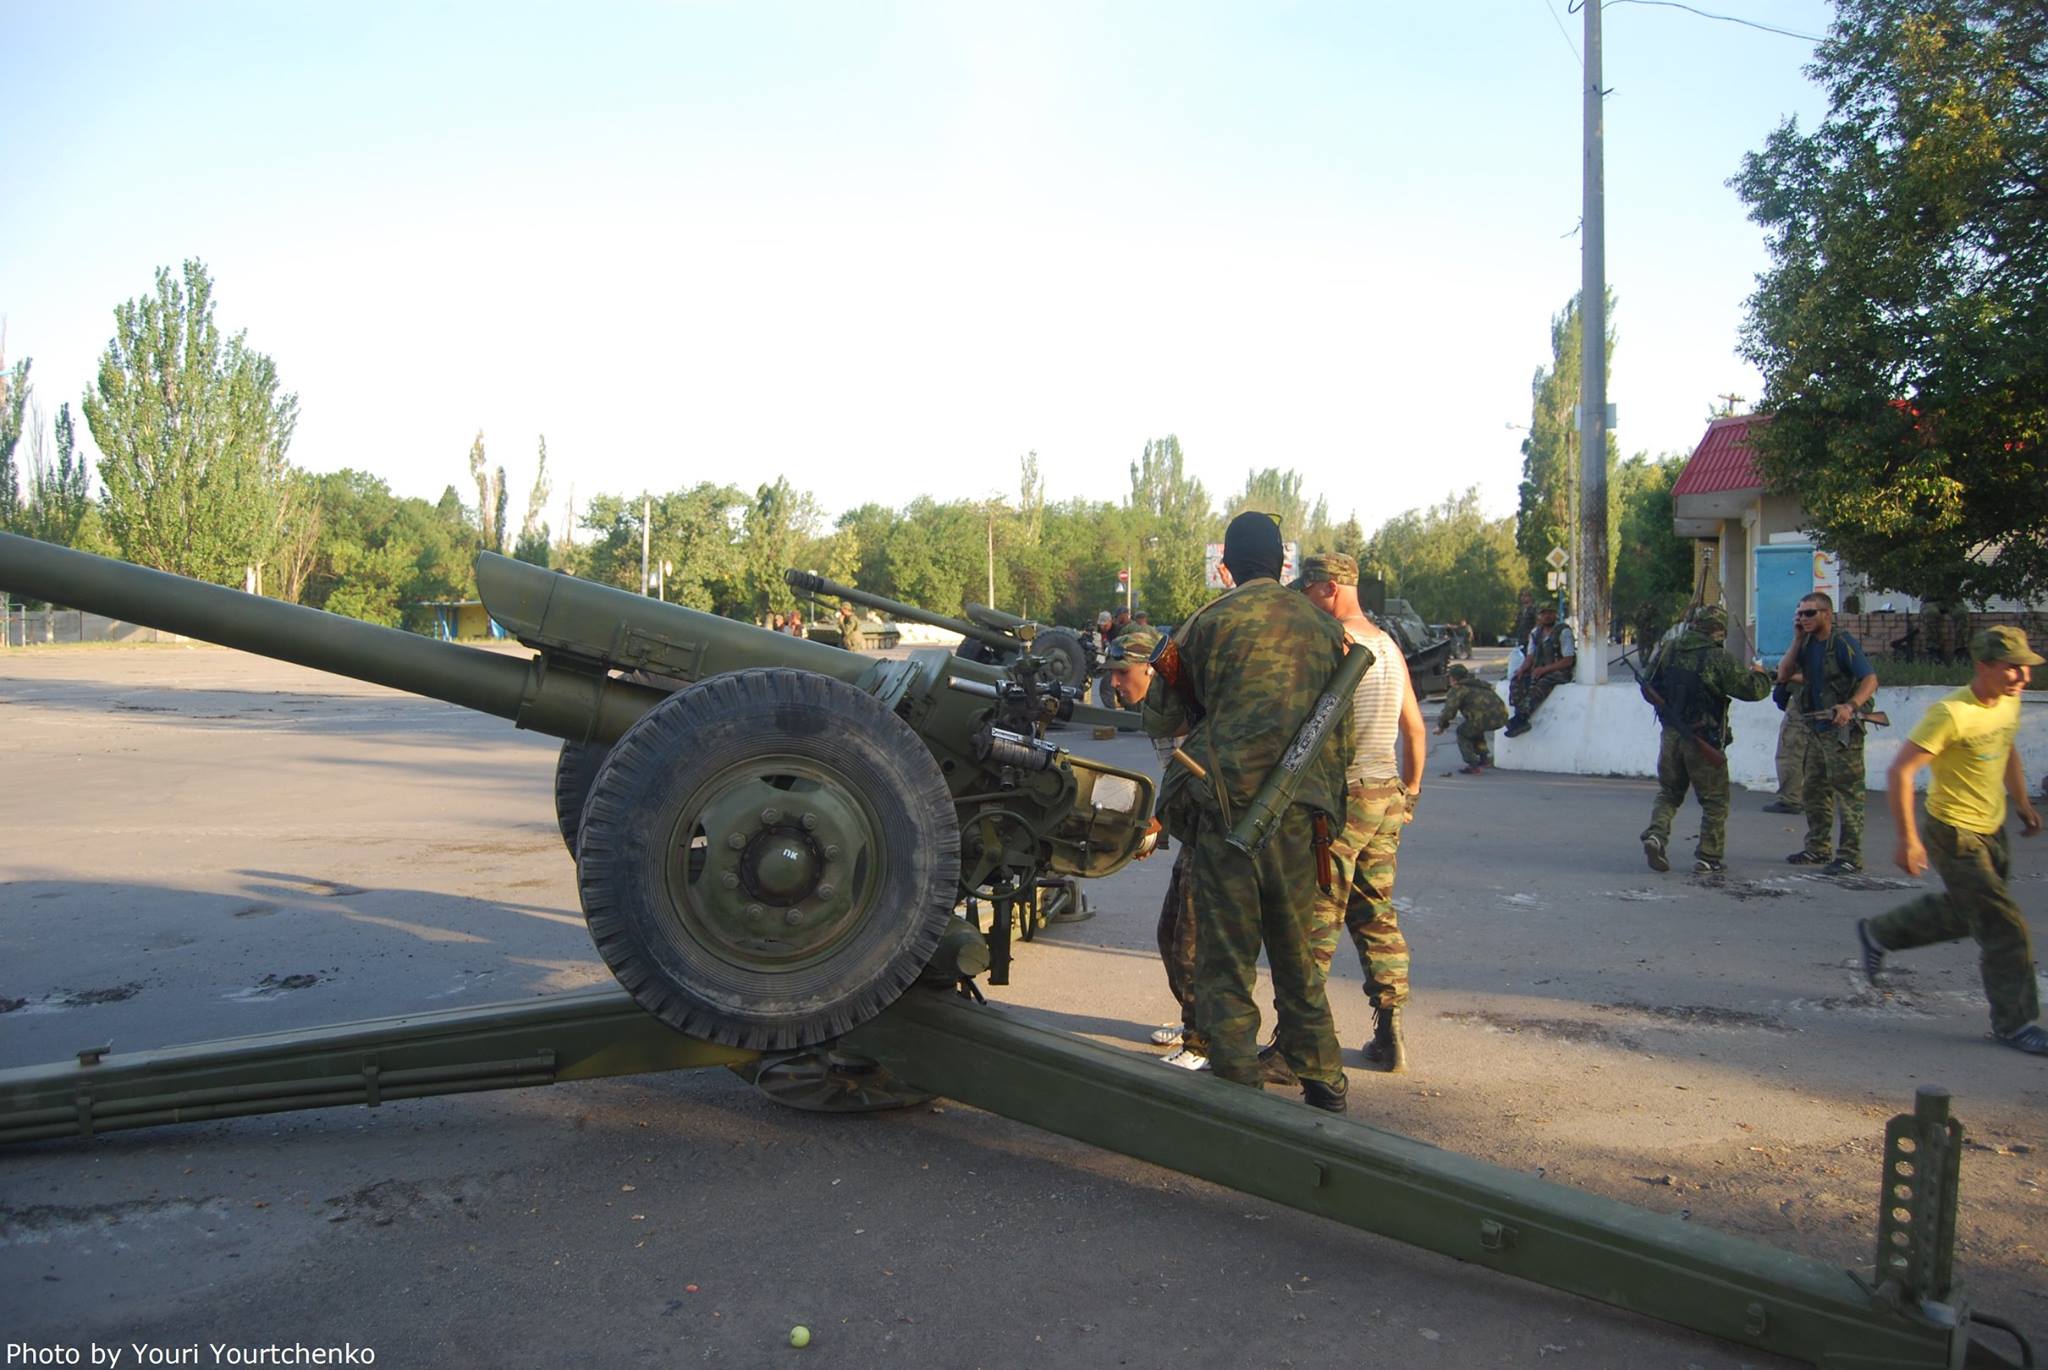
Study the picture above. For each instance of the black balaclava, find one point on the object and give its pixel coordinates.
(1251, 547)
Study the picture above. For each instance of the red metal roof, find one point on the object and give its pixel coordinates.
(1723, 460)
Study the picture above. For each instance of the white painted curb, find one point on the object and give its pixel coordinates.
(1609, 730)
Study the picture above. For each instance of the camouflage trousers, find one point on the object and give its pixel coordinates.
(1475, 743)
(1974, 867)
(1795, 736)
(1832, 783)
(1242, 903)
(1682, 764)
(1526, 694)
(1361, 896)
(1177, 945)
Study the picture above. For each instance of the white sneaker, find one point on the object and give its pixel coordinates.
(1186, 1060)
(1167, 1035)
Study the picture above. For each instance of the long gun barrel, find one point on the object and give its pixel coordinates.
(811, 583)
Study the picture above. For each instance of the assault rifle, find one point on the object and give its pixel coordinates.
(1876, 716)
(1711, 750)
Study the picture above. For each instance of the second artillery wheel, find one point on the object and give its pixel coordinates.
(768, 859)
(575, 771)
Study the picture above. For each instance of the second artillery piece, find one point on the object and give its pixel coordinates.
(989, 636)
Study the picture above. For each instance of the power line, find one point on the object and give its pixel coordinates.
(1725, 18)
(1563, 33)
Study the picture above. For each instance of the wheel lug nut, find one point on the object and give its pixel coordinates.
(731, 881)
(793, 917)
(831, 852)
(810, 822)
(826, 891)
(735, 840)
(754, 910)
(771, 815)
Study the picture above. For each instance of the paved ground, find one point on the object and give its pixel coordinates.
(195, 844)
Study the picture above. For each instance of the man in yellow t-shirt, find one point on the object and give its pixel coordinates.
(1967, 738)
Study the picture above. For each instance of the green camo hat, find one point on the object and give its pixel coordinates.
(1134, 648)
(1456, 671)
(1334, 567)
(1710, 618)
(2004, 643)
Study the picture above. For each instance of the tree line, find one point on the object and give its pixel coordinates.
(194, 431)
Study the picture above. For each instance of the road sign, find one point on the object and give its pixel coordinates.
(1557, 558)
(1123, 577)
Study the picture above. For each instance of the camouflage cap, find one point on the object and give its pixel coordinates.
(1134, 648)
(2005, 643)
(1334, 567)
(1457, 670)
(1710, 618)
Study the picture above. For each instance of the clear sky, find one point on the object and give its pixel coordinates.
(885, 249)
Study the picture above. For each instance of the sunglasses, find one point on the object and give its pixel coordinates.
(1807, 613)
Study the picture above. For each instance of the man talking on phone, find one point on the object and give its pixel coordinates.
(1838, 686)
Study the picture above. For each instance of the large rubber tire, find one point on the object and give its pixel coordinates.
(575, 771)
(684, 801)
(1066, 656)
(974, 649)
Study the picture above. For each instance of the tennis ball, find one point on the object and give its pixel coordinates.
(799, 1336)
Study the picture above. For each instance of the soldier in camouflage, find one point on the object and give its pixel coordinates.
(1547, 664)
(1695, 677)
(1839, 685)
(1383, 782)
(850, 635)
(1128, 670)
(1478, 712)
(1239, 677)
(1794, 735)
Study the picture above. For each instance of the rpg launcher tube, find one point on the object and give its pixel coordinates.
(1251, 831)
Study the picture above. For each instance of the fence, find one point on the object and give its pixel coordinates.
(1932, 637)
(30, 628)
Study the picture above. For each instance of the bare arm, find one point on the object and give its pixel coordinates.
(1788, 664)
(1912, 757)
(1414, 737)
(2016, 790)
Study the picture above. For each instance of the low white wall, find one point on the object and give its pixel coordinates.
(1609, 730)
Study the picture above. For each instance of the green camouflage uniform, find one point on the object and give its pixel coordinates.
(1478, 711)
(1832, 780)
(1362, 894)
(1697, 670)
(1526, 692)
(1974, 868)
(1795, 738)
(850, 635)
(1176, 938)
(1253, 664)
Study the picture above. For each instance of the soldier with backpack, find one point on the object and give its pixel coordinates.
(1691, 681)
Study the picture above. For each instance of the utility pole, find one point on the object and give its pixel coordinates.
(1590, 565)
(646, 518)
(991, 556)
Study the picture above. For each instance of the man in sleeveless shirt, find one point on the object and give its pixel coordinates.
(1382, 779)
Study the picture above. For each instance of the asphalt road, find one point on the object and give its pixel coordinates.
(197, 844)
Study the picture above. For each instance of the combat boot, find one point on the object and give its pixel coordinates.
(1387, 1049)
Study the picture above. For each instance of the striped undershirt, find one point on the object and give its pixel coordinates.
(1376, 709)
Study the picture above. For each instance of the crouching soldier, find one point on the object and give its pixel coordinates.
(1478, 712)
(1692, 684)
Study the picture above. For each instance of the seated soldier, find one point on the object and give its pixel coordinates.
(1547, 665)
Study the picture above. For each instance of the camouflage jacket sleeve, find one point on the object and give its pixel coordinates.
(1730, 678)
(1454, 702)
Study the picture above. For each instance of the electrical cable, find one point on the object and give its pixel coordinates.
(1564, 33)
(1704, 14)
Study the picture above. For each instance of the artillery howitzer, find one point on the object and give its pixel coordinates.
(989, 636)
(843, 1000)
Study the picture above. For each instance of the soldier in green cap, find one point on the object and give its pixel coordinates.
(1695, 677)
(1966, 739)
(1478, 711)
(1240, 676)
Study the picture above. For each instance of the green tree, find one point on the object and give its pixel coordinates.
(1451, 562)
(492, 498)
(1550, 454)
(1282, 494)
(1653, 565)
(14, 393)
(778, 526)
(533, 530)
(1168, 526)
(1902, 328)
(59, 498)
(695, 530)
(193, 433)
